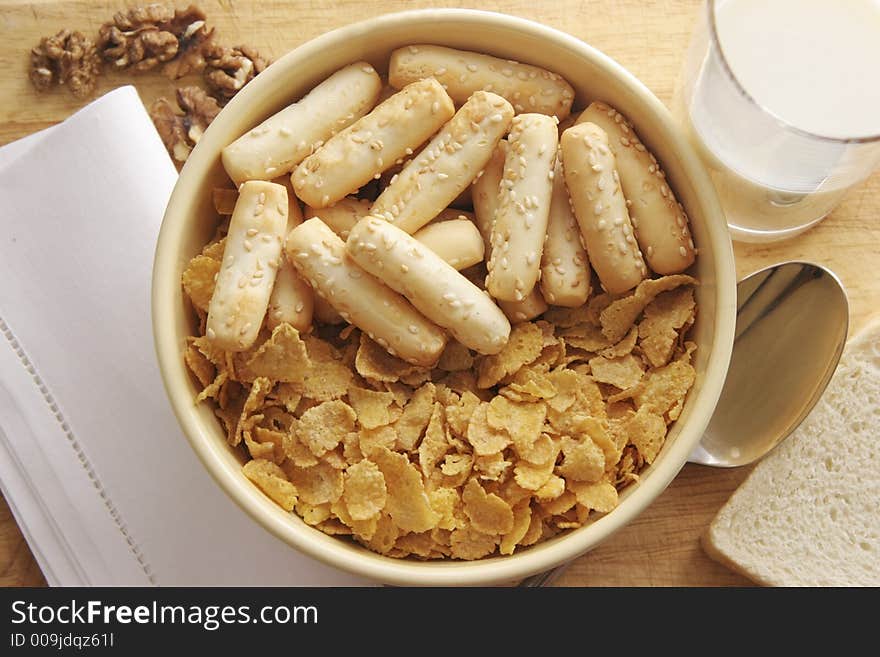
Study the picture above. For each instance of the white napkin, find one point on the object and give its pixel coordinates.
(92, 461)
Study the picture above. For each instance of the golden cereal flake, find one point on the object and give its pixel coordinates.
(270, 479)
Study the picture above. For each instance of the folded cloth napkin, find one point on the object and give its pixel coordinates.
(92, 461)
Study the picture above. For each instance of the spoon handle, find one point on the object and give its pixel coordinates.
(543, 579)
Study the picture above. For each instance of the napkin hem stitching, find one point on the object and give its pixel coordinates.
(55, 409)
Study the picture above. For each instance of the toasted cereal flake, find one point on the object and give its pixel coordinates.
(621, 314)
(524, 346)
(215, 249)
(327, 378)
(254, 401)
(416, 414)
(586, 337)
(364, 491)
(468, 543)
(313, 514)
(316, 485)
(374, 362)
(522, 420)
(351, 448)
(271, 479)
(371, 407)
(493, 467)
(198, 280)
(334, 527)
(664, 316)
(434, 445)
(444, 501)
(540, 451)
(272, 439)
(553, 488)
(335, 459)
(534, 532)
(522, 519)
(458, 416)
(420, 544)
(220, 358)
(456, 464)
(289, 394)
(623, 372)
(212, 391)
(484, 438)
(455, 357)
(407, 502)
(384, 535)
(529, 385)
(323, 427)
(532, 476)
(600, 496)
(559, 505)
(362, 529)
(298, 452)
(666, 386)
(370, 439)
(584, 460)
(567, 317)
(624, 347)
(199, 365)
(567, 383)
(283, 357)
(647, 432)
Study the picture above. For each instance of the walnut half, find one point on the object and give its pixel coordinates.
(182, 125)
(227, 70)
(68, 58)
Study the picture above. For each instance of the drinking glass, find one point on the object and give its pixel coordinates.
(775, 179)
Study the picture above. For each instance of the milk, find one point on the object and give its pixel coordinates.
(805, 76)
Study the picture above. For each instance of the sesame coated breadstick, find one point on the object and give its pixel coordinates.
(530, 307)
(659, 220)
(447, 165)
(432, 285)
(292, 300)
(457, 241)
(600, 208)
(565, 267)
(363, 150)
(250, 261)
(461, 72)
(485, 194)
(285, 139)
(319, 255)
(523, 207)
(342, 215)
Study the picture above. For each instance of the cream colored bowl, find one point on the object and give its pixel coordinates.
(190, 221)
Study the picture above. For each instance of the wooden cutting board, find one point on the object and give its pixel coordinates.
(661, 547)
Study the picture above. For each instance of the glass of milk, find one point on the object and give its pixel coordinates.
(782, 99)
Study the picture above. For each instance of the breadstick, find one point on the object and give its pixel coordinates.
(250, 261)
(325, 313)
(363, 150)
(285, 139)
(447, 165)
(600, 208)
(485, 194)
(523, 207)
(433, 286)
(522, 311)
(528, 88)
(319, 255)
(457, 241)
(565, 268)
(342, 215)
(659, 220)
(292, 300)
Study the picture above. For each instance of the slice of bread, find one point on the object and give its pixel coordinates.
(809, 513)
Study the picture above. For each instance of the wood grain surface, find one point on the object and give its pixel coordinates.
(661, 547)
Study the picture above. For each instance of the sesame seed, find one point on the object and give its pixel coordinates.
(435, 107)
(496, 118)
(682, 251)
(440, 71)
(248, 246)
(413, 50)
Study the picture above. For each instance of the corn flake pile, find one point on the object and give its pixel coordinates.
(480, 455)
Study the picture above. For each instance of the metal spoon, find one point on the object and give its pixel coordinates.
(791, 327)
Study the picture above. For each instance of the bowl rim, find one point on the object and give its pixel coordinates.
(449, 572)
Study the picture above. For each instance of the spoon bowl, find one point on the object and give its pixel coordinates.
(791, 327)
